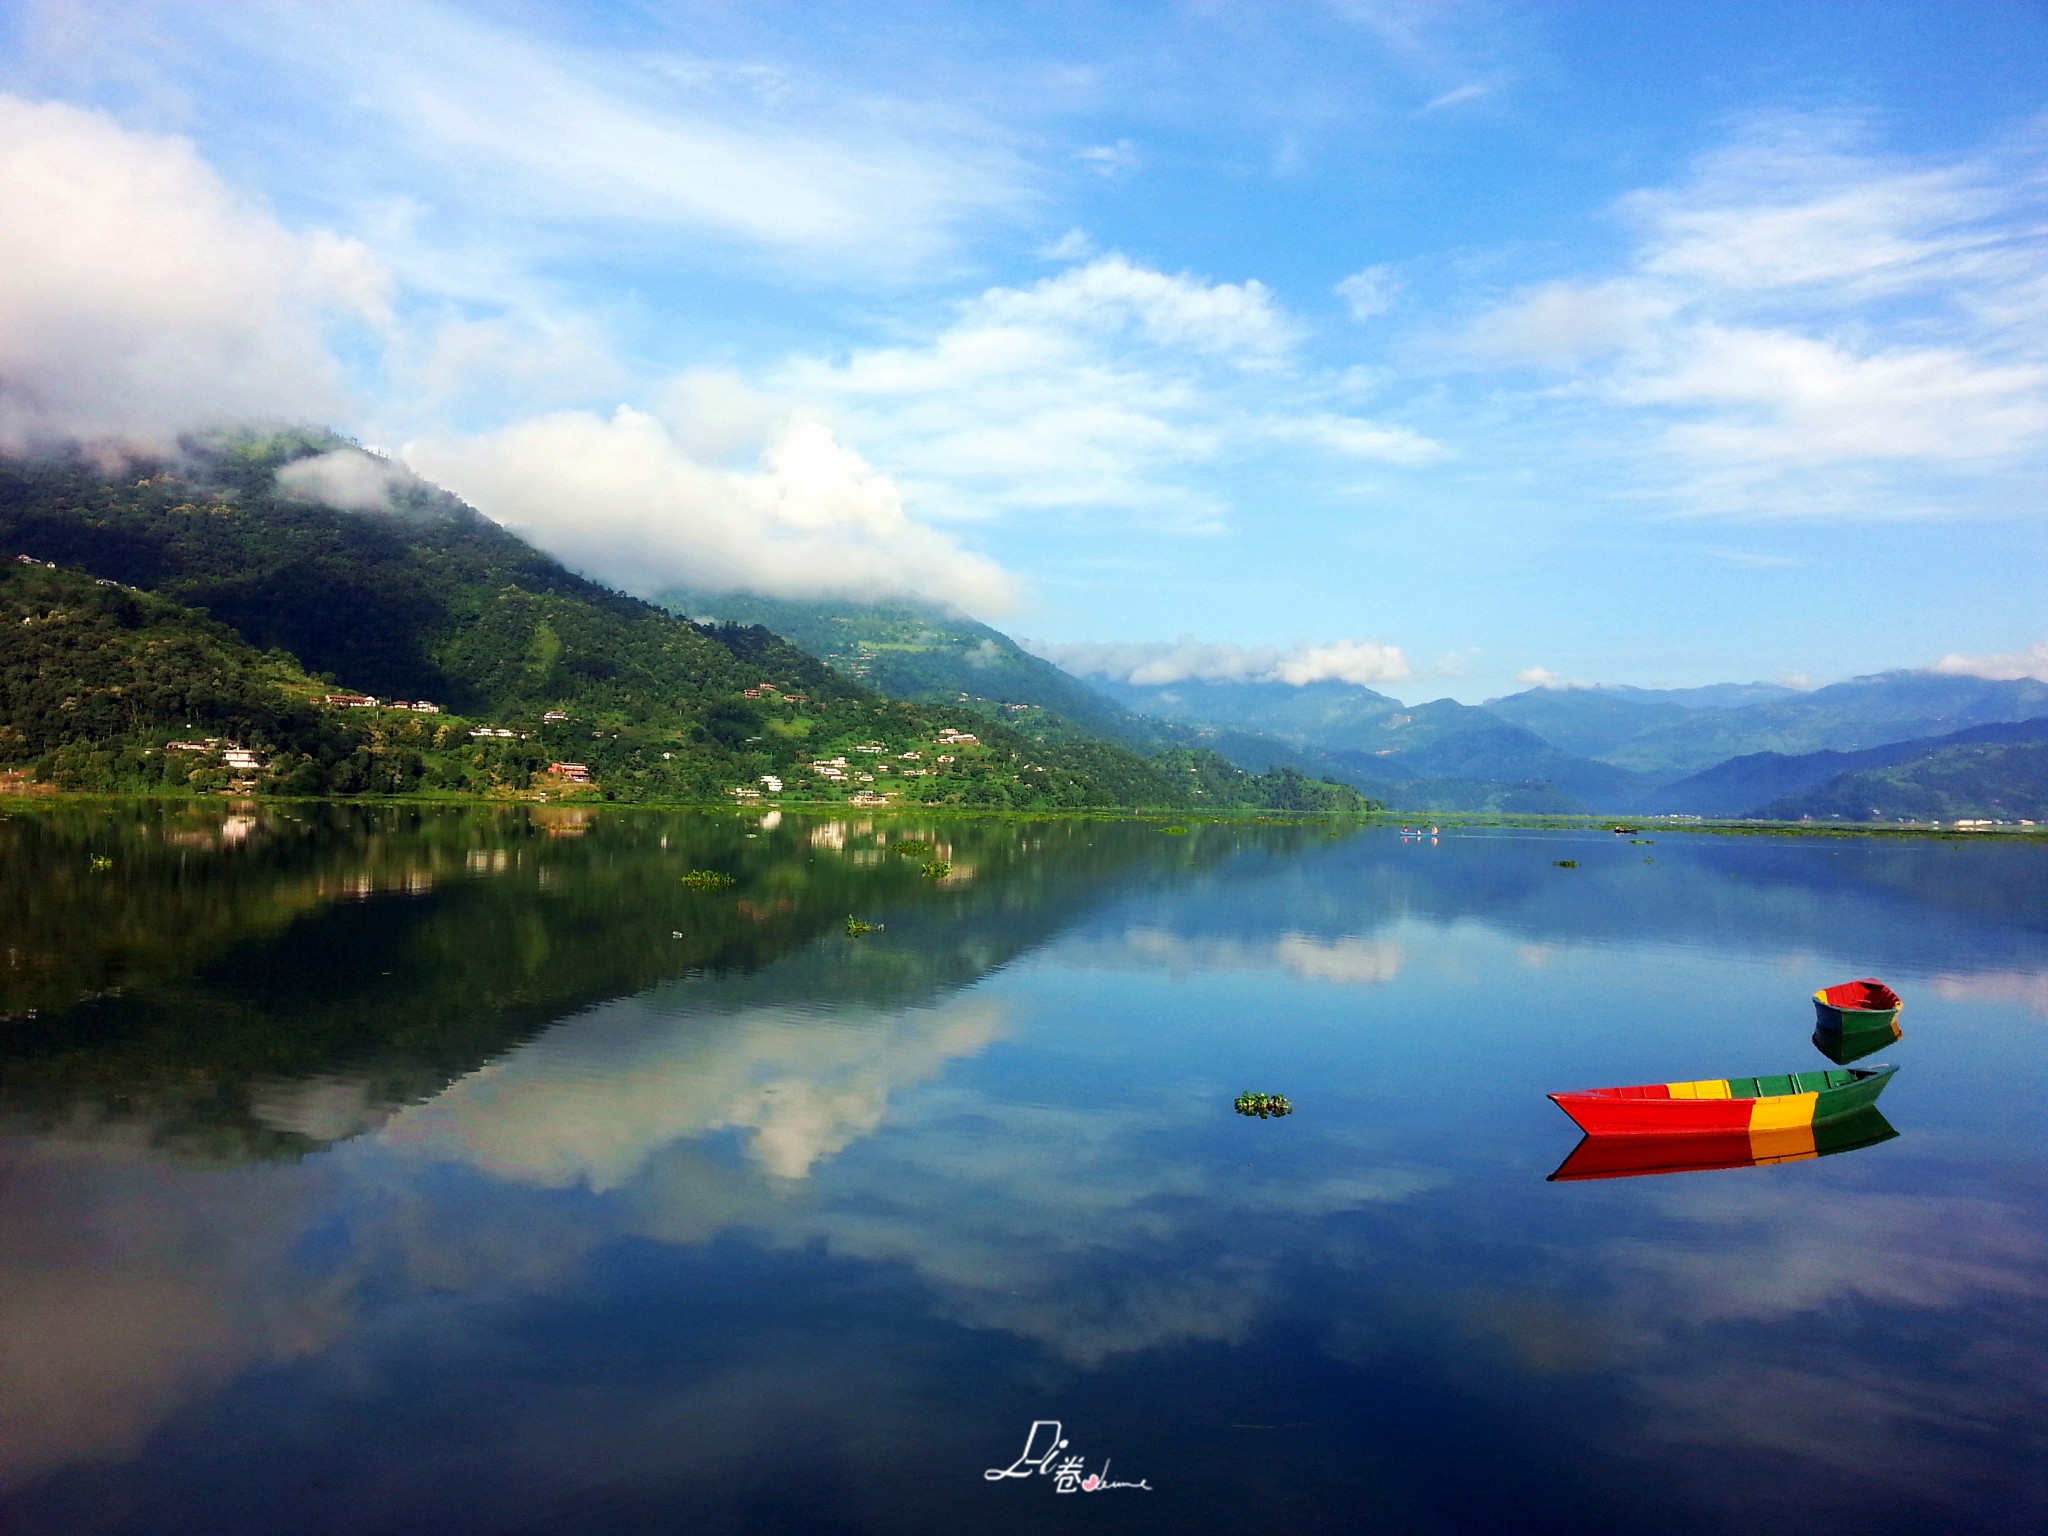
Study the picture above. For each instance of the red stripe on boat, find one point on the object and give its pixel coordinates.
(1868, 995)
(1651, 1111)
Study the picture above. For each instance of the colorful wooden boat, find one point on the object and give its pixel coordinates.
(1721, 1104)
(1866, 1007)
(1628, 1157)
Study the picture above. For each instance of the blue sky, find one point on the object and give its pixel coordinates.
(1442, 344)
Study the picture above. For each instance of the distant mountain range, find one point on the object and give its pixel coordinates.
(1727, 749)
(237, 602)
(1670, 739)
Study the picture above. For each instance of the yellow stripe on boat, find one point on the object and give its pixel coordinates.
(1781, 1111)
(1781, 1144)
(1711, 1088)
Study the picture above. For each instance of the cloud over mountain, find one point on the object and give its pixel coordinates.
(1153, 664)
(629, 498)
(141, 297)
(2012, 667)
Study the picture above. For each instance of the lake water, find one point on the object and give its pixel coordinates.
(373, 1170)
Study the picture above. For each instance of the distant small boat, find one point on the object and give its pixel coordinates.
(1626, 1157)
(1795, 1101)
(1866, 1007)
(1626, 831)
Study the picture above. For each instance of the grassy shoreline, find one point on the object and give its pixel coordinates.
(28, 796)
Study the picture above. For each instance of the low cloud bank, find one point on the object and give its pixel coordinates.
(347, 478)
(1543, 677)
(1152, 664)
(140, 298)
(643, 502)
(2015, 666)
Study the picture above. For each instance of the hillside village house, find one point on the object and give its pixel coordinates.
(575, 773)
(350, 701)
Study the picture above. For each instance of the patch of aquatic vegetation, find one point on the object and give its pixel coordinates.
(855, 927)
(1175, 831)
(937, 869)
(1566, 863)
(1263, 1105)
(707, 880)
(914, 848)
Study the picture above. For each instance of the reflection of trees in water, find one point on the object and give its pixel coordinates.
(256, 984)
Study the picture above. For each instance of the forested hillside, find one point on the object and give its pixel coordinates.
(1976, 781)
(427, 600)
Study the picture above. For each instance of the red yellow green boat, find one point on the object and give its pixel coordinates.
(1866, 1007)
(1627, 1157)
(1797, 1100)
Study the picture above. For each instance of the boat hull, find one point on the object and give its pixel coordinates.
(1628, 1157)
(1857, 1010)
(1726, 1106)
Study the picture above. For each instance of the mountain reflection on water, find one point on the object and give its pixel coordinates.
(401, 1168)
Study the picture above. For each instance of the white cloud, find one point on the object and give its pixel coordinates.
(1109, 385)
(1363, 662)
(523, 130)
(1459, 96)
(1543, 677)
(346, 478)
(1370, 291)
(1074, 245)
(1152, 664)
(625, 499)
(1806, 329)
(1354, 437)
(2032, 663)
(1112, 160)
(141, 298)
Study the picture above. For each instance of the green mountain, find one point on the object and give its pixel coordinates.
(930, 655)
(431, 600)
(1986, 780)
(99, 682)
(1660, 735)
(1742, 786)
(1593, 722)
(1441, 755)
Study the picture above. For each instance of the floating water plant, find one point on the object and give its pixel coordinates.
(914, 848)
(1264, 1105)
(937, 869)
(100, 864)
(1566, 863)
(855, 927)
(1175, 831)
(707, 880)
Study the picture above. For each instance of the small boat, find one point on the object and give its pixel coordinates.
(1866, 1007)
(1626, 831)
(1627, 1157)
(1797, 1100)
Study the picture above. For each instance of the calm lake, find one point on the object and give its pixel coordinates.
(408, 1170)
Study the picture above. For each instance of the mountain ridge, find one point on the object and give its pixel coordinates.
(428, 598)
